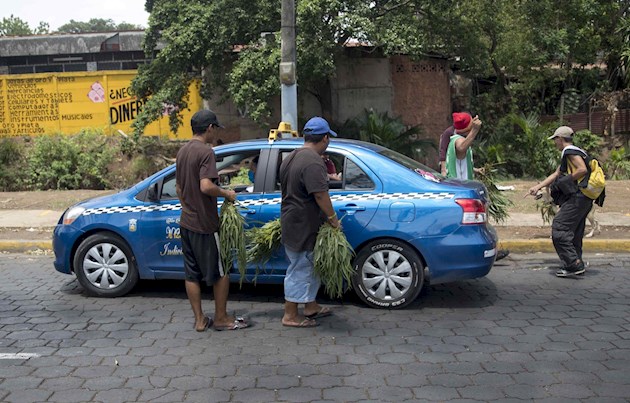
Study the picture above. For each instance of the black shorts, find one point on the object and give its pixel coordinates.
(201, 256)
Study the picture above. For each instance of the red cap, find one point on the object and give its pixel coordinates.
(461, 120)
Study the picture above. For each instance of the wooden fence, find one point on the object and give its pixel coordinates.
(596, 121)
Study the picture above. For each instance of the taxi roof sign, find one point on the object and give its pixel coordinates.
(282, 132)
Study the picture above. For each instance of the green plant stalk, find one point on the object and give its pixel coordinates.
(262, 242)
(232, 238)
(499, 204)
(547, 211)
(333, 260)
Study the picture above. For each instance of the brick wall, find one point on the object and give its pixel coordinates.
(421, 95)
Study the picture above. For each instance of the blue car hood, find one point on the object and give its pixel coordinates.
(116, 199)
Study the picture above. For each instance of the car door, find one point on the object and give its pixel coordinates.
(160, 223)
(352, 197)
(243, 169)
(159, 229)
(356, 199)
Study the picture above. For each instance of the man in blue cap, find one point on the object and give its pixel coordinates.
(305, 207)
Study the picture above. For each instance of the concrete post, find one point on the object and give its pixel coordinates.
(288, 64)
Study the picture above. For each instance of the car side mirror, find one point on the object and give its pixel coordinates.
(152, 193)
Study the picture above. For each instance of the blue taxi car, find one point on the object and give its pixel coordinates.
(407, 224)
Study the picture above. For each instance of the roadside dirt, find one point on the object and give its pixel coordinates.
(617, 197)
(617, 200)
(47, 200)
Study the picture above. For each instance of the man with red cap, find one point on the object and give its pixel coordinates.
(459, 161)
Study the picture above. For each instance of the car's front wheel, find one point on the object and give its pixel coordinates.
(105, 266)
(388, 274)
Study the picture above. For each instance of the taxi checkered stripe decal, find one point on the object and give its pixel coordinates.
(132, 209)
(389, 196)
(261, 202)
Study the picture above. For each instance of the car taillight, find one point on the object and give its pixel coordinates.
(474, 211)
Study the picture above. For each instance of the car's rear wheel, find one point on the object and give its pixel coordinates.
(388, 274)
(105, 266)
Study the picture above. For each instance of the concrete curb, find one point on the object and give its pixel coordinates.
(25, 245)
(546, 245)
(514, 245)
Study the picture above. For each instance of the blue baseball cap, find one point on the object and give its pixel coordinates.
(317, 126)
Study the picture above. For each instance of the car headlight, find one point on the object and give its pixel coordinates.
(72, 214)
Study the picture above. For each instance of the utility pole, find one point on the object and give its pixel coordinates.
(287, 64)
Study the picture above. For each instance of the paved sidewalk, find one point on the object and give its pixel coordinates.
(41, 219)
(535, 220)
(29, 218)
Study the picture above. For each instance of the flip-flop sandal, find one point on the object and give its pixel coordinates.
(304, 323)
(239, 323)
(322, 313)
(208, 323)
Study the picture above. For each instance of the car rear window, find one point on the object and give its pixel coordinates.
(406, 161)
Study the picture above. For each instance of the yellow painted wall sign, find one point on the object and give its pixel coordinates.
(35, 104)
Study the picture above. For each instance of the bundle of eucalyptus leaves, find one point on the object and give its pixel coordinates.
(547, 209)
(232, 238)
(262, 242)
(332, 260)
(499, 203)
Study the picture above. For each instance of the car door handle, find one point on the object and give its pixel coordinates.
(351, 208)
(247, 211)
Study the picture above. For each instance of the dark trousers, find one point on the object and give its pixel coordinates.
(567, 229)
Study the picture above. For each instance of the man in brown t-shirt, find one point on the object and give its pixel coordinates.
(305, 206)
(199, 223)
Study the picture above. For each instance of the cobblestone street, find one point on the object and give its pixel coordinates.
(518, 334)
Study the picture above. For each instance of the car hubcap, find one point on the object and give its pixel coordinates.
(105, 266)
(386, 275)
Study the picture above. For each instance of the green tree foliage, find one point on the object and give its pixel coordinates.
(14, 26)
(524, 56)
(253, 81)
(619, 73)
(198, 40)
(96, 25)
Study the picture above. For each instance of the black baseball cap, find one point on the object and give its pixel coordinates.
(202, 119)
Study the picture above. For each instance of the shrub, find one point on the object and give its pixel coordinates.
(71, 162)
(12, 175)
(589, 142)
(618, 164)
(520, 145)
